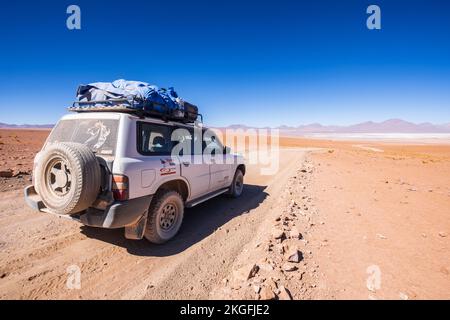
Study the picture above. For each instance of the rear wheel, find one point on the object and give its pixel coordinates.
(164, 217)
(237, 186)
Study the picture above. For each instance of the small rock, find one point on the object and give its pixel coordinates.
(442, 234)
(381, 236)
(295, 234)
(257, 289)
(277, 233)
(289, 267)
(253, 271)
(266, 267)
(247, 272)
(284, 294)
(279, 248)
(403, 296)
(294, 256)
(267, 294)
(6, 173)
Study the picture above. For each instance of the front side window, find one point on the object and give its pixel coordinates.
(160, 139)
(154, 139)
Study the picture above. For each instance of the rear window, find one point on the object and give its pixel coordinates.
(100, 135)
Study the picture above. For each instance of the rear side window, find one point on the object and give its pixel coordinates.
(154, 139)
(100, 135)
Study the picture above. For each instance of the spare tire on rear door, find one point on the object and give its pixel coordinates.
(67, 177)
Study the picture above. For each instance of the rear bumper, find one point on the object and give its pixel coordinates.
(32, 198)
(117, 215)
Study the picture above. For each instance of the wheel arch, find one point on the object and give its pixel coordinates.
(242, 168)
(179, 185)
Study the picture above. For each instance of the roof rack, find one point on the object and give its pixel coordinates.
(141, 109)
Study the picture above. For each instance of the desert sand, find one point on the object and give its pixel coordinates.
(340, 220)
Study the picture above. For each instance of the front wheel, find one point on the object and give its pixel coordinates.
(164, 217)
(237, 185)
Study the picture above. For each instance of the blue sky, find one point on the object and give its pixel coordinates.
(263, 63)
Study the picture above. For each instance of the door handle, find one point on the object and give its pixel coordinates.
(186, 164)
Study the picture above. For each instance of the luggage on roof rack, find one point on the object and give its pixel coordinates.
(134, 97)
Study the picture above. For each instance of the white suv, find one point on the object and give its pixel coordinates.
(115, 169)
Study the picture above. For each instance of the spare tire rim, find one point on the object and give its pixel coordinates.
(59, 177)
(168, 216)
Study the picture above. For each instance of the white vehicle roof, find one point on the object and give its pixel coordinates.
(119, 115)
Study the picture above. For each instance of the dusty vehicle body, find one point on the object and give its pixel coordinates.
(114, 170)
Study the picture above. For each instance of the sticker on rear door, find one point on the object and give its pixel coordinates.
(167, 171)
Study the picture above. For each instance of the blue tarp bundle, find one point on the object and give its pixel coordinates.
(141, 92)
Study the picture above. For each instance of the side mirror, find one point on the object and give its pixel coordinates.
(226, 150)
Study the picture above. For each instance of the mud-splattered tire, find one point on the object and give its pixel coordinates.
(237, 186)
(67, 177)
(165, 216)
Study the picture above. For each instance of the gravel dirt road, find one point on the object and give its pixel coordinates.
(37, 248)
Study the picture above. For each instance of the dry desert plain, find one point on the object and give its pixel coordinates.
(339, 220)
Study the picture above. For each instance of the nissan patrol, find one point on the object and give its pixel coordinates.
(114, 170)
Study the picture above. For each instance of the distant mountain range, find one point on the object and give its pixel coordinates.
(26, 126)
(388, 126)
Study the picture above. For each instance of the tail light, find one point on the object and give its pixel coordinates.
(120, 187)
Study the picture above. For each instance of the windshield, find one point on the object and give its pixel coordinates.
(100, 135)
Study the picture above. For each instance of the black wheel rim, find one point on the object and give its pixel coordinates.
(168, 216)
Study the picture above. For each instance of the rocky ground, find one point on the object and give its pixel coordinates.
(17, 150)
(279, 262)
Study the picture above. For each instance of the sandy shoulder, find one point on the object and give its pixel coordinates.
(386, 222)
